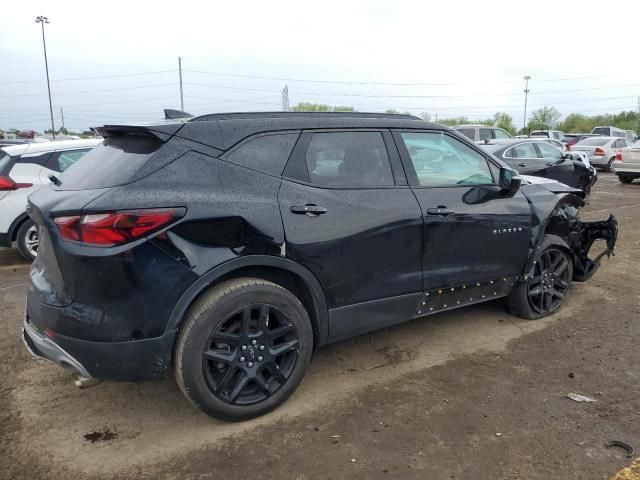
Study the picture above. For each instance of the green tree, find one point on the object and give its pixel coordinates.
(505, 121)
(545, 118)
(425, 116)
(320, 107)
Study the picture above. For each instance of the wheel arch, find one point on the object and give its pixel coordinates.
(15, 226)
(282, 271)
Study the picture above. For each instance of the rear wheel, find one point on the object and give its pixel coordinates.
(244, 349)
(28, 240)
(543, 293)
(607, 168)
(625, 179)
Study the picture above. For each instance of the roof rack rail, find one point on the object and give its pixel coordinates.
(257, 115)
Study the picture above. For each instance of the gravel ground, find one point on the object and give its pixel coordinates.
(469, 394)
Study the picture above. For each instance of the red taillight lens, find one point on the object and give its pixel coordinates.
(599, 152)
(115, 228)
(619, 156)
(7, 183)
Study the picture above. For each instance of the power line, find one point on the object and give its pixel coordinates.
(123, 75)
(402, 84)
(91, 91)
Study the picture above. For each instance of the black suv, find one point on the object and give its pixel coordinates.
(227, 248)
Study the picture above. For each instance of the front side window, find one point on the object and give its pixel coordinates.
(66, 159)
(348, 159)
(524, 150)
(268, 154)
(440, 160)
(549, 153)
(501, 133)
(486, 133)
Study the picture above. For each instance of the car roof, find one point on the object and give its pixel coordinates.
(473, 125)
(53, 146)
(223, 130)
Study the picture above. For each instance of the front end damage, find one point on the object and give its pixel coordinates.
(557, 222)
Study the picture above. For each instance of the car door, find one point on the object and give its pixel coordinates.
(525, 158)
(476, 239)
(351, 219)
(558, 167)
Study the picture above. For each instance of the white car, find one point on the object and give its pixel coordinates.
(23, 169)
(601, 150)
(627, 164)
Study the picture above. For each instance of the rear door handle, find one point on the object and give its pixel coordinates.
(522, 164)
(309, 209)
(441, 211)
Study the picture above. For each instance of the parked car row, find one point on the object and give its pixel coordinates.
(225, 249)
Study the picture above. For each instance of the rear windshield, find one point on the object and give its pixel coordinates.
(5, 163)
(109, 164)
(601, 130)
(595, 141)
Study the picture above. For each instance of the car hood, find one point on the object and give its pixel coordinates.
(552, 185)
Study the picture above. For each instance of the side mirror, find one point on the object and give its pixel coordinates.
(509, 182)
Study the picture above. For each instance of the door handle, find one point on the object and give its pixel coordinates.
(522, 164)
(441, 211)
(309, 209)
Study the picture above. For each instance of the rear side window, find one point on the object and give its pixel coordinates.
(65, 159)
(113, 162)
(268, 153)
(468, 132)
(348, 159)
(524, 150)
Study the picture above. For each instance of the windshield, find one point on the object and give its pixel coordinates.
(539, 133)
(593, 141)
(601, 130)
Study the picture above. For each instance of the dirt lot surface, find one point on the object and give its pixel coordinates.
(470, 394)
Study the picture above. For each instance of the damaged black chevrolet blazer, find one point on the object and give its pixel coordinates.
(225, 249)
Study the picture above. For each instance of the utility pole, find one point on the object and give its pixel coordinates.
(526, 95)
(42, 21)
(285, 99)
(62, 117)
(180, 73)
(638, 118)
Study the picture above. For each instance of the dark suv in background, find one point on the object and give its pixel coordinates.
(227, 248)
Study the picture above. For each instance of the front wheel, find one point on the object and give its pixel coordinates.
(244, 349)
(543, 293)
(28, 240)
(625, 179)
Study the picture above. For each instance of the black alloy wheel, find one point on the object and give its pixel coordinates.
(250, 355)
(550, 282)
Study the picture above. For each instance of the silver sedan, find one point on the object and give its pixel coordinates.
(601, 150)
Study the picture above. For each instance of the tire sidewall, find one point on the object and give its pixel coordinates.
(204, 318)
(20, 238)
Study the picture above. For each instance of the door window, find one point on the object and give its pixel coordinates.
(68, 158)
(348, 159)
(524, 150)
(468, 132)
(501, 133)
(267, 154)
(549, 153)
(486, 133)
(442, 160)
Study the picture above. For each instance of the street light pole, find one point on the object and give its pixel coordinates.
(526, 95)
(42, 21)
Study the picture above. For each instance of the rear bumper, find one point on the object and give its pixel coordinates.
(622, 170)
(134, 360)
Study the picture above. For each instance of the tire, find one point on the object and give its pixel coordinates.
(28, 241)
(258, 339)
(608, 166)
(553, 288)
(625, 179)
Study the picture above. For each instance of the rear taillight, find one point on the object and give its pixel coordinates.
(619, 156)
(115, 228)
(568, 146)
(7, 183)
(599, 152)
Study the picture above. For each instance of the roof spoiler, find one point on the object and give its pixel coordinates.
(170, 114)
(162, 132)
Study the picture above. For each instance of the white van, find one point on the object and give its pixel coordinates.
(609, 132)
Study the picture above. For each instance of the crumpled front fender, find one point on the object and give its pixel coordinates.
(583, 266)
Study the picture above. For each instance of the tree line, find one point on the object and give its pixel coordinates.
(545, 118)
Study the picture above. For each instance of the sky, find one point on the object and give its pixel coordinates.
(118, 61)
